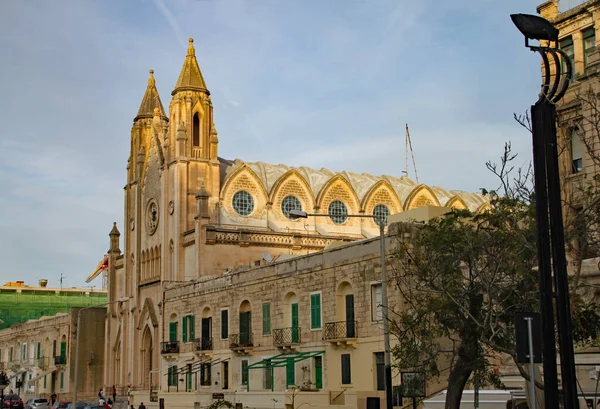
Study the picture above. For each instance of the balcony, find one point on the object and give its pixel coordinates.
(340, 332)
(43, 363)
(286, 337)
(203, 344)
(169, 347)
(60, 360)
(241, 342)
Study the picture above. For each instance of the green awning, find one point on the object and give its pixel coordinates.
(283, 359)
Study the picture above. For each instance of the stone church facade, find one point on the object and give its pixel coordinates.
(193, 216)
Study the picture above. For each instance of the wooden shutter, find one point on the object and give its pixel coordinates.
(315, 311)
(346, 377)
(185, 329)
(173, 331)
(319, 372)
(224, 324)
(290, 373)
(192, 328)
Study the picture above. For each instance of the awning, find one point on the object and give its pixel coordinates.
(40, 376)
(283, 359)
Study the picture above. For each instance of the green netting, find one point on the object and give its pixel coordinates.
(20, 307)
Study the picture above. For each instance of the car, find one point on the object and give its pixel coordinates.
(79, 405)
(64, 405)
(13, 401)
(37, 403)
(94, 407)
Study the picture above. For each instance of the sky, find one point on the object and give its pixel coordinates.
(317, 83)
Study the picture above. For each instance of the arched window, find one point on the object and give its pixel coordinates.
(196, 130)
(338, 212)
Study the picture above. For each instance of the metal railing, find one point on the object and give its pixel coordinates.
(169, 347)
(286, 336)
(203, 344)
(340, 330)
(240, 340)
(43, 362)
(60, 360)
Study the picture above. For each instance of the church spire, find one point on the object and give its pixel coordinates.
(150, 101)
(190, 77)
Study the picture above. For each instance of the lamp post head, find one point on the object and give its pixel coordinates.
(298, 214)
(535, 27)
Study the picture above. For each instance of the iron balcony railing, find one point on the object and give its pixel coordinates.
(241, 340)
(286, 336)
(169, 347)
(43, 363)
(203, 344)
(60, 360)
(340, 330)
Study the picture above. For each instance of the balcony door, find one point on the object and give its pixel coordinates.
(350, 323)
(295, 329)
(206, 332)
(245, 327)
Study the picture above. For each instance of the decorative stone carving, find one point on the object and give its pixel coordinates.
(152, 216)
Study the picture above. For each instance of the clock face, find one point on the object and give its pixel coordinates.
(152, 216)
(132, 224)
(171, 207)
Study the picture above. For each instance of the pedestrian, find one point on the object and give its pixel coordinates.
(141, 406)
(53, 398)
(114, 393)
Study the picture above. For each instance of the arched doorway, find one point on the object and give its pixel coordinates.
(345, 308)
(147, 353)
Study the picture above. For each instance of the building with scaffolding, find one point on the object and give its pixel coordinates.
(36, 302)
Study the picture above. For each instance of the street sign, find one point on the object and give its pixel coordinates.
(522, 336)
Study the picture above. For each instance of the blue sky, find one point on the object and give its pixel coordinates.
(319, 83)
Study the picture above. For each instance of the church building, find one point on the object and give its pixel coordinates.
(192, 217)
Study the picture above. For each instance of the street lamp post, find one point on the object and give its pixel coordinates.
(299, 214)
(79, 314)
(552, 267)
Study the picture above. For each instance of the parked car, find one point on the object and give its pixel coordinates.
(37, 403)
(79, 405)
(94, 407)
(13, 401)
(64, 405)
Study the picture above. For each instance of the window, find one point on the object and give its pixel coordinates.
(566, 44)
(24, 353)
(315, 311)
(243, 203)
(589, 43)
(290, 373)
(173, 331)
(205, 374)
(62, 380)
(337, 212)
(576, 151)
(224, 324)
(290, 203)
(45, 381)
(346, 377)
(172, 376)
(225, 374)
(244, 372)
(268, 375)
(266, 318)
(376, 301)
(188, 328)
(380, 370)
(381, 213)
(39, 350)
(196, 130)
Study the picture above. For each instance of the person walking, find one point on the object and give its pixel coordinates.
(53, 398)
(141, 406)
(114, 393)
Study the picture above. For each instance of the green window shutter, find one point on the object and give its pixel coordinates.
(63, 349)
(315, 311)
(173, 331)
(185, 329)
(319, 372)
(192, 328)
(266, 319)
(62, 380)
(39, 350)
(290, 373)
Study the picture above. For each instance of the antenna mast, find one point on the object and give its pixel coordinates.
(412, 155)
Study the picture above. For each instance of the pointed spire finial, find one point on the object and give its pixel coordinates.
(191, 50)
(151, 80)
